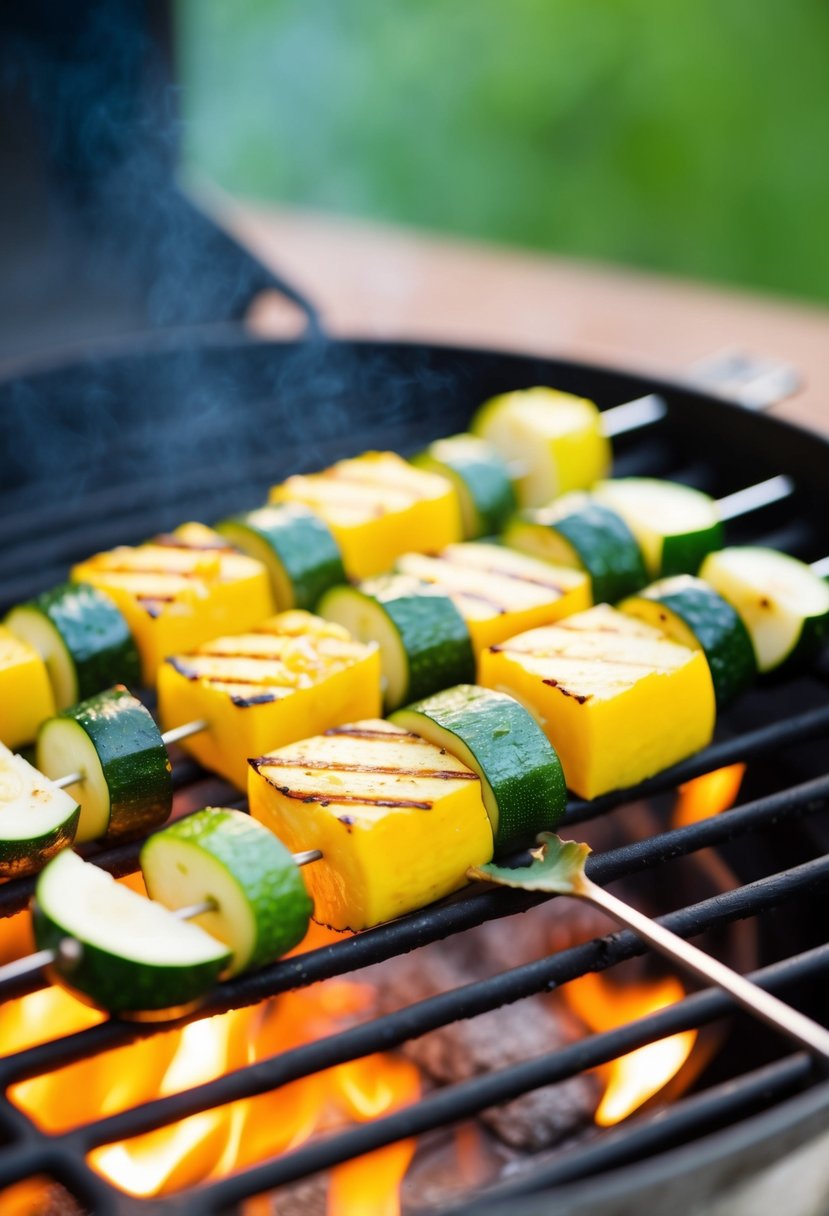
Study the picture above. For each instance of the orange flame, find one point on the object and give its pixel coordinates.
(708, 795)
(233, 1136)
(633, 1078)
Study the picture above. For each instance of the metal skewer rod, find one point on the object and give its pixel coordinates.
(763, 1005)
(70, 950)
(170, 736)
(752, 498)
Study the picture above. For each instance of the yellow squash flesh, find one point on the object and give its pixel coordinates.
(398, 820)
(25, 692)
(293, 676)
(618, 701)
(499, 592)
(180, 590)
(378, 506)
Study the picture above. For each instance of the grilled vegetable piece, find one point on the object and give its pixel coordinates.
(783, 604)
(424, 642)
(82, 637)
(262, 907)
(112, 739)
(36, 818)
(397, 820)
(616, 699)
(481, 480)
(497, 591)
(377, 507)
(296, 548)
(124, 953)
(676, 526)
(578, 532)
(521, 777)
(26, 697)
(295, 675)
(555, 438)
(179, 590)
(691, 612)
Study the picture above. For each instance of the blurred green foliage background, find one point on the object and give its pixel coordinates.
(689, 136)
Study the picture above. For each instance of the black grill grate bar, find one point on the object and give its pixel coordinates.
(645, 1135)
(398, 937)
(469, 1098)
(392, 1030)
(766, 740)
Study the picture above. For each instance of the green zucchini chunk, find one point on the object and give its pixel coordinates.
(83, 639)
(481, 478)
(691, 612)
(262, 908)
(521, 776)
(295, 546)
(783, 604)
(578, 531)
(117, 950)
(424, 641)
(37, 819)
(112, 739)
(676, 526)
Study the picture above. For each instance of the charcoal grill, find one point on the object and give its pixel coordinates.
(138, 436)
(131, 436)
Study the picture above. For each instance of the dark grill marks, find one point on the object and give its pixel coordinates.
(577, 696)
(500, 572)
(387, 770)
(352, 799)
(366, 732)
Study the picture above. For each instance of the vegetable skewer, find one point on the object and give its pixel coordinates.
(558, 866)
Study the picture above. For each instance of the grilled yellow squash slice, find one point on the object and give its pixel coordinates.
(378, 506)
(293, 676)
(499, 592)
(397, 819)
(179, 590)
(617, 700)
(26, 697)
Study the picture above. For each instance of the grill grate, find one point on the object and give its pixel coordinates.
(51, 535)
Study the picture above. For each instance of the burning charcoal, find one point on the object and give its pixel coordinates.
(306, 1197)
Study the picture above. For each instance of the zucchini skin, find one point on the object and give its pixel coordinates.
(481, 478)
(302, 544)
(134, 759)
(95, 635)
(511, 753)
(122, 986)
(602, 541)
(718, 628)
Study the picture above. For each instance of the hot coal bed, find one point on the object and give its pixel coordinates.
(120, 444)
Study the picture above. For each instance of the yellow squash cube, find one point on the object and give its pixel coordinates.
(293, 676)
(618, 701)
(499, 592)
(378, 506)
(398, 820)
(179, 590)
(25, 691)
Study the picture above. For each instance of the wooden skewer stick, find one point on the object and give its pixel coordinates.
(70, 950)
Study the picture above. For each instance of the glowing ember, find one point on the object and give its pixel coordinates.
(634, 1078)
(708, 795)
(217, 1141)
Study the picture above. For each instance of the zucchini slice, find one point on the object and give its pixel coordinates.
(480, 477)
(676, 526)
(580, 532)
(521, 776)
(424, 641)
(37, 819)
(112, 739)
(82, 637)
(124, 953)
(692, 613)
(555, 438)
(296, 547)
(262, 906)
(783, 604)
